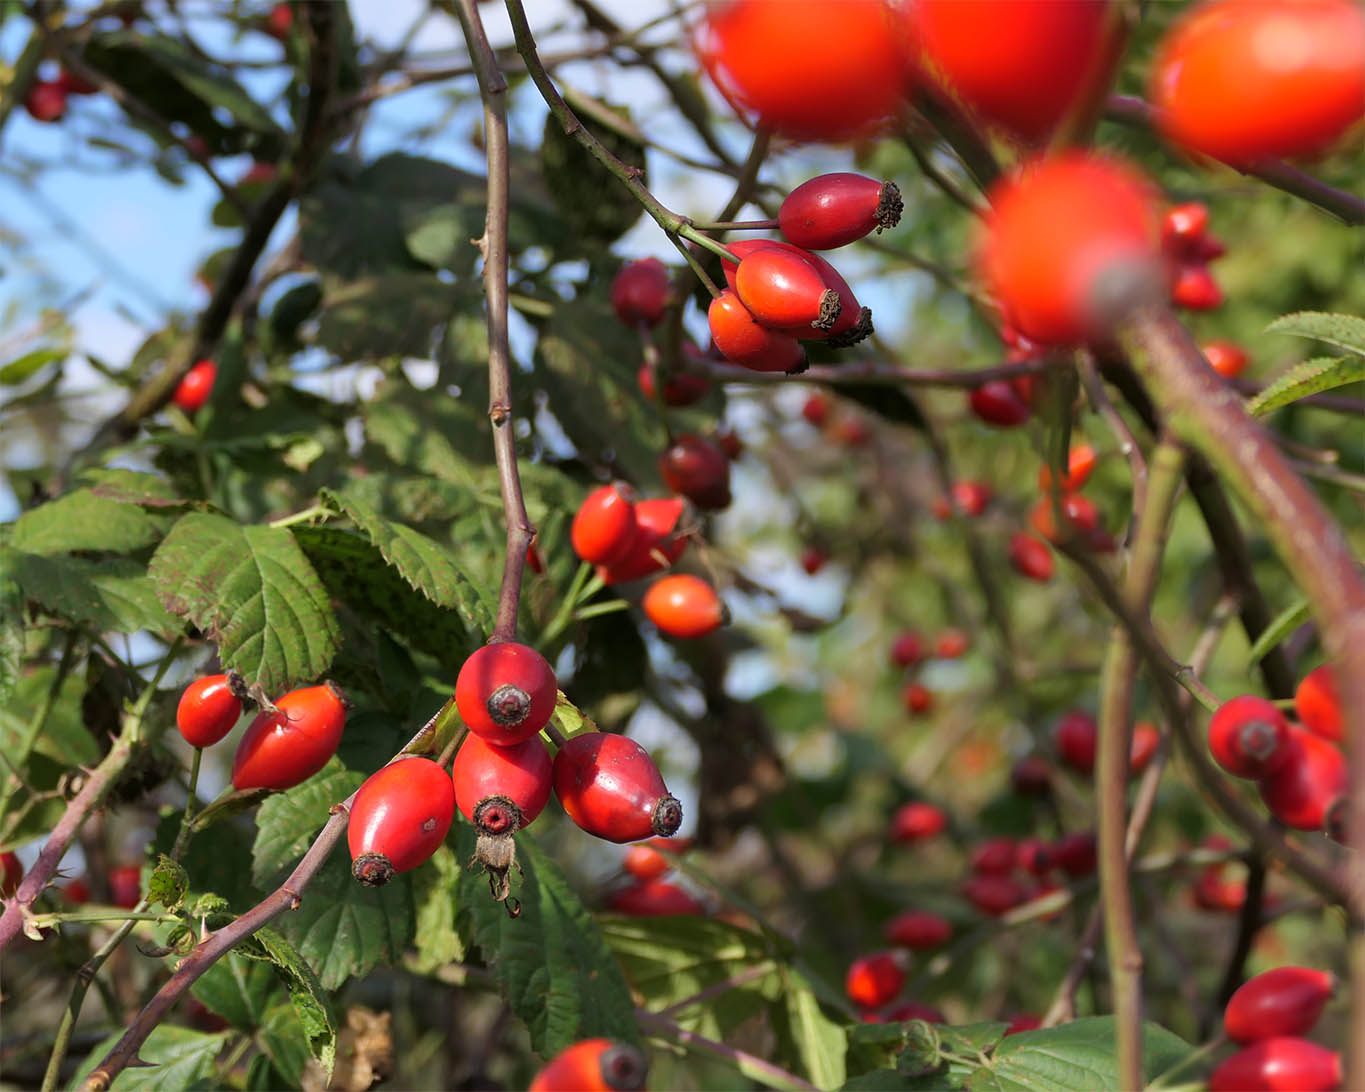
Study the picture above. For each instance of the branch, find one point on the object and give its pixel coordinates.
(750, 1065)
(877, 375)
(1346, 207)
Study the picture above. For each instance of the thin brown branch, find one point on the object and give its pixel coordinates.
(879, 375)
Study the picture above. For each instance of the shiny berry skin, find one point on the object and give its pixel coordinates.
(1227, 358)
(680, 388)
(907, 649)
(640, 291)
(506, 692)
(193, 392)
(1070, 245)
(783, 290)
(1146, 739)
(1281, 1064)
(399, 819)
(743, 341)
(1183, 229)
(916, 821)
(698, 470)
(501, 789)
(918, 930)
(1242, 82)
(852, 323)
(1194, 288)
(1080, 463)
(1212, 892)
(657, 543)
(280, 750)
(604, 527)
(917, 699)
(1301, 792)
(1075, 740)
(1285, 1001)
(1031, 557)
(824, 70)
(1034, 856)
(1249, 737)
(645, 862)
(993, 895)
(833, 210)
(968, 497)
(46, 100)
(654, 898)
(1319, 705)
(816, 409)
(1080, 513)
(279, 22)
(1019, 64)
(993, 857)
(11, 872)
(125, 886)
(813, 559)
(208, 711)
(875, 979)
(997, 403)
(1031, 776)
(610, 787)
(951, 644)
(683, 605)
(594, 1065)
(1074, 854)
(730, 443)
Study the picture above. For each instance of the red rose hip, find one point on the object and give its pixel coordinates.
(280, 750)
(832, 210)
(1281, 1064)
(208, 711)
(399, 819)
(506, 692)
(1284, 1001)
(1249, 737)
(501, 789)
(594, 1065)
(610, 787)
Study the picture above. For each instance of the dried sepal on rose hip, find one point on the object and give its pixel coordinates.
(501, 789)
(506, 692)
(610, 787)
(784, 291)
(833, 210)
(399, 819)
(1249, 737)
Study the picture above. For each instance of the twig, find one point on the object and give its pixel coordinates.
(877, 375)
(750, 1065)
(1249, 922)
(1128, 445)
(493, 246)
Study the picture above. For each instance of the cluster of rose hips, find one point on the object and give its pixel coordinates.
(628, 539)
(1299, 768)
(1268, 1017)
(909, 650)
(649, 894)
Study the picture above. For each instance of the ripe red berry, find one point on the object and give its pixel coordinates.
(594, 1065)
(783, 290)
(993, 857)
(77, 891)
(1249, 737)
(657, 543)
(193, 392)
(816, 408)
(997, 403)
(1020, 64)
(1071, 245)
(506, 692)
(208, 711)
(993, 895)
(125, 885)
(698, 470)
(1030, 557)
(280, 21)
(399, 819)
(1034, 856)
(645, 862)
(610, 787)
(1301, 793)
(680, 388)
(1285, 1001)
(828, 70)
(654, 898)
(742, 340)
(46, 100)
(1242, 82)
(683, 605)
(813, 559)
(1080, 463)
(875, 979)
(1146, 739)
(1183, 229)
(1075, 740)
(916, 821)
(11, 872)
(604, 527)
(1227, 358)
(640, 292)
(1031, 776)
(850, 431)
(833, 210)
(73, 84)
(1281, 1064)
(1319, 705)
(907, 649)
(918, 930)
(1212, 892)
(1074, 854)
(951, 643)
(853, 322)
(501, 789)
(730, 443)
(918, 698)
(968, 497)
(280, 750)
(1080, 513)
(1194, 288)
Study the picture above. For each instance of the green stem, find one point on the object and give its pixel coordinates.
(191, 800)
(599, 609)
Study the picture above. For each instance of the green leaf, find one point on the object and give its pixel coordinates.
(284, 1041)
(570, 719)
(880, 1080)
(109, 596)
(1344, 331)
(168, 884)
(396, 314)
(552, 964)
(1280, 627)
(287, 822)
(592, 202)
(20, 368)
(427, 566)
(435, 888)
(821, 1042)
(252, 590)
(11, 629)
(311, 1003)
(420, 439)
(132, 487)
(1075, 1057)
(177, 1059)
(84, 521)
(443, 237)
(1310, 377)
(238, 989)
